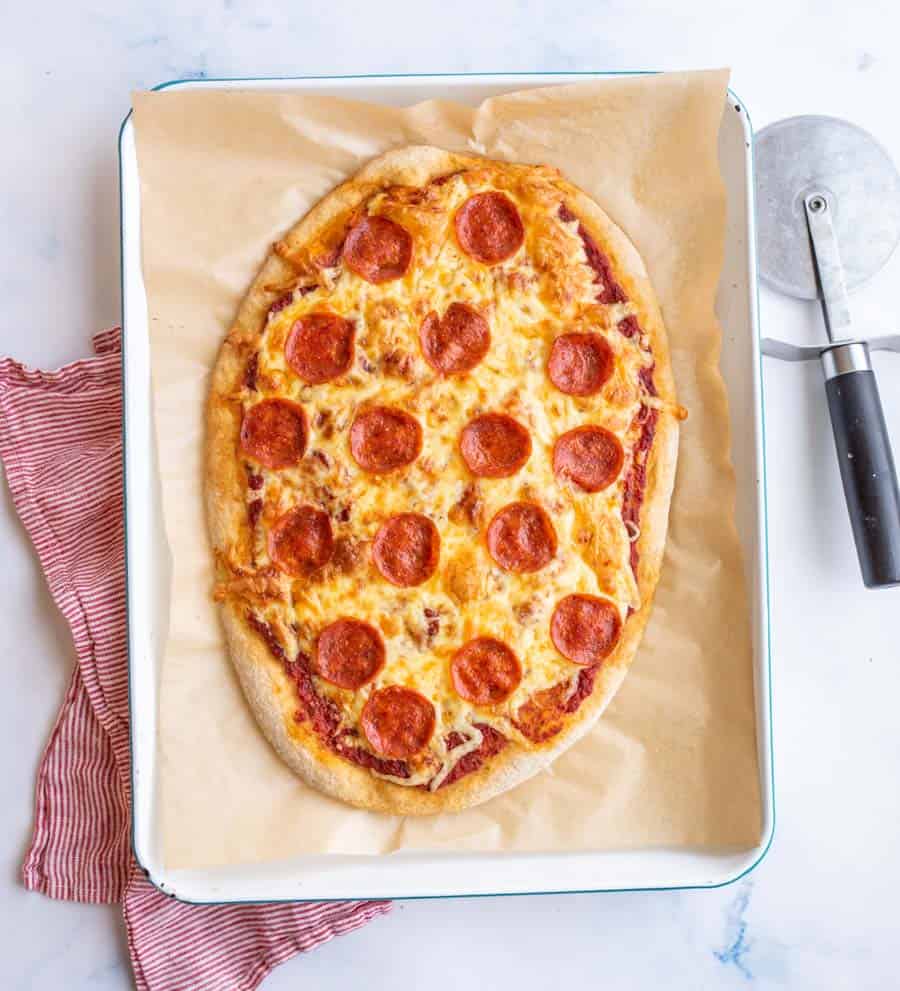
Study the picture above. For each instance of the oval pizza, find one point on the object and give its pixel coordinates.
(442, 436)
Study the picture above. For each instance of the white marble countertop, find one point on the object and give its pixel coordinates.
(819, 911)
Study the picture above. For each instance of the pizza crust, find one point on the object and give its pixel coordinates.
(266, 687)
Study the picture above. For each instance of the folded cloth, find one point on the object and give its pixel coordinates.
(61, 444)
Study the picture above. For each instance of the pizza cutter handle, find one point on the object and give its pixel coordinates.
(866, 462)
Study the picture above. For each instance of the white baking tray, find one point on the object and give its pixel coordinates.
(413, 875)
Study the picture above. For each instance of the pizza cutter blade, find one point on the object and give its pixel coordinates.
(828, 219)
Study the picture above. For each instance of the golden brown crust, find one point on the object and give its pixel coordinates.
(266, 685)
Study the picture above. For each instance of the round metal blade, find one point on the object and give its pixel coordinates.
(803, 155)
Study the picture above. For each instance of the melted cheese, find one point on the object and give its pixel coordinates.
(454, 756)
(545, 289)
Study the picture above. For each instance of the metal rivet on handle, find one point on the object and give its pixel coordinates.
(817, 203)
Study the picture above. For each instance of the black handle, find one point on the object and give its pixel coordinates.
(867, 470)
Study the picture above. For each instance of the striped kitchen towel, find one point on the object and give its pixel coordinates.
(60, 442)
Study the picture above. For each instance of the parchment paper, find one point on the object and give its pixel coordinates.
(673, 761)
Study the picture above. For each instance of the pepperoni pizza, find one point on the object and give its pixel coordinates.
(441, 447)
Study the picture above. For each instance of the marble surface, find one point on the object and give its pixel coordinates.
(819, 912)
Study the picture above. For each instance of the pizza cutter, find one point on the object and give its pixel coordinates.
(828, 219)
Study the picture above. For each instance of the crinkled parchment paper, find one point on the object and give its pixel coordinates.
(673, 762)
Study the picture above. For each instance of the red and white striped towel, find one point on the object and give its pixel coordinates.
(60, 441)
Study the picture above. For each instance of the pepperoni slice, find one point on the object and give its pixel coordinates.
(585, 628)
(383, 439)
(580, 364)
(521, 537)
(455, 342)
(494, 445)
(406, 549)
(489, 228)
(301, 540)
(397, 722)
(320, 347)
(274, 432)
(378, 249)
(485, 671)
(349, 653)
(590, 456)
